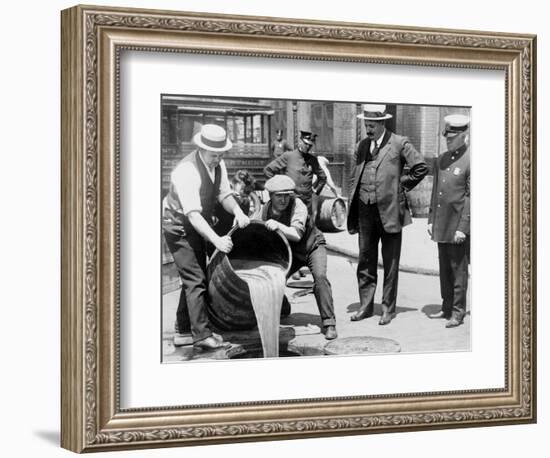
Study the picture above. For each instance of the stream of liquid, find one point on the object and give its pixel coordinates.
(266, 282)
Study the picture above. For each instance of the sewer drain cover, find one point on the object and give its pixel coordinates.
(362, 345)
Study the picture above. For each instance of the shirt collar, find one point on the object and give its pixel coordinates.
(204, 163)
(379, 141)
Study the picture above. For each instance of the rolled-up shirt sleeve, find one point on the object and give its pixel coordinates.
(225, 188)
(298, 219)
(187, 183)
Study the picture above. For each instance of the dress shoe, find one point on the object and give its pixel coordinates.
(385, 319)
(361, 314)
(217, 337)
(330, 332)
(453, 322)
(210, 343)
(440, 314)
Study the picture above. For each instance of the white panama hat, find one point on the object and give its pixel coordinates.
(373, 112)
(212, 138)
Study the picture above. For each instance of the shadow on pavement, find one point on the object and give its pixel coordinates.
(434, 308)
(430, 309)
(302, 319)
(352, 308)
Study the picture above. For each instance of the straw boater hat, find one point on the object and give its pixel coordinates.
(212, 138)
(280, 184)
(374, 113)
(455, 124)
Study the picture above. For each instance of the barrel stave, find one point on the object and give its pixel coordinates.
(230, 307)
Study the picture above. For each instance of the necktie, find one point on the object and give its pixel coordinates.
(374, 151)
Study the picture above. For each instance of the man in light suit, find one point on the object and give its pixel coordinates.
(449, 219)
(378, 207)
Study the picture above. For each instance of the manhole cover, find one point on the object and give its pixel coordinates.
(362, 345)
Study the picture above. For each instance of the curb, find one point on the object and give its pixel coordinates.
(403, 268)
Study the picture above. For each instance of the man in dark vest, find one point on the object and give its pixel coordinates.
(301, 166)
(378, 207)
(289, 215)
(197, 183)
(449, 219)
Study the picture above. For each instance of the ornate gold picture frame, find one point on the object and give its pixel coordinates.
(93, 39)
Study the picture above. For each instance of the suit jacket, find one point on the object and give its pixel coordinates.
(390, 181)
(450, 202)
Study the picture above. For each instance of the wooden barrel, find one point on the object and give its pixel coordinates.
(331, 214)
(230, 307)
(419, 198)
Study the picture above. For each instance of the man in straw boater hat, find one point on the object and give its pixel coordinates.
(301, 166)
(197, 183)
(286, 213)
(449, 219)
(378, 207)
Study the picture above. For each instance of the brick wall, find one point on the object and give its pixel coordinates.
(421, 125)
(345, 127)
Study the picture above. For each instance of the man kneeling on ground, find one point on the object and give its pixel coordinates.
(286, 213)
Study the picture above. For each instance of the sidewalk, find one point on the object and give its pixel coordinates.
(418, 252)
(418, 296)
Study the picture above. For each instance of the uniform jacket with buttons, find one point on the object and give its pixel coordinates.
(300, 167)
(450, 202)
(390, 180)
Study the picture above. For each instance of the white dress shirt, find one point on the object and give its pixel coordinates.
(377, 142)
(187, 182)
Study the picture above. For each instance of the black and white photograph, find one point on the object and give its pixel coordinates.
(253, 232)
(313, 228)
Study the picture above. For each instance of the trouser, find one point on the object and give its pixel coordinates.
(453, 277)
(316, 261)
(371, 232)
(189, 255)
(310, 201)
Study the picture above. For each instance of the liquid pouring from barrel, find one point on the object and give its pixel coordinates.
(246, 286)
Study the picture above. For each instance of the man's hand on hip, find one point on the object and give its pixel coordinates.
(459, 237)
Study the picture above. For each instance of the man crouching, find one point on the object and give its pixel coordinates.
(289, 215)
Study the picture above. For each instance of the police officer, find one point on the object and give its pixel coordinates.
(289, 215)
(449, 219)
(197, 182)
(301, 166)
